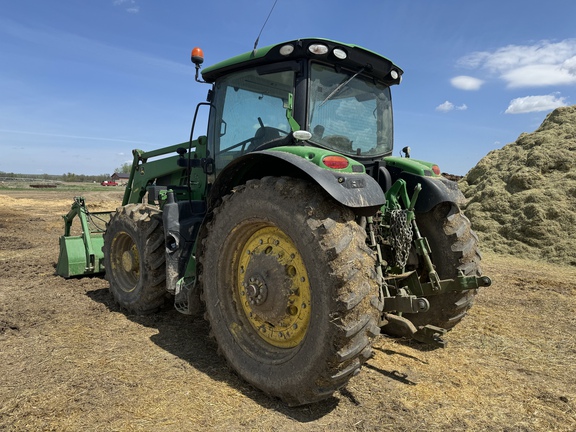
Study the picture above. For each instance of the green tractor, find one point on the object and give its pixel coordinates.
(291, 226)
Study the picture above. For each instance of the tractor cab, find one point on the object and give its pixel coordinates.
(311, 92)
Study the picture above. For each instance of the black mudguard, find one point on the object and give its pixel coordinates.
(435, 190)
(358, 191)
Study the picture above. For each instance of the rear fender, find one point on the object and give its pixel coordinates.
(355, 190)
(436, 189)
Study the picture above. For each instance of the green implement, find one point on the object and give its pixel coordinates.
(82, 254)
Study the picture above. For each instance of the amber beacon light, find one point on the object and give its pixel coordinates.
(197, 56)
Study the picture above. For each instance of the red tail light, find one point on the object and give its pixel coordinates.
(335, 162)
(436, 169)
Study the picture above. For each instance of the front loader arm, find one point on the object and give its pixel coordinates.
(167, 171)
(143, 172)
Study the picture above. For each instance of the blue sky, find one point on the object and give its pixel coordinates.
(82, 83)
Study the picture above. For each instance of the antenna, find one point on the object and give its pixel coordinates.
(264, 25)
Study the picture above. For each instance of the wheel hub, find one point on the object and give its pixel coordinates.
(257, 291)
(125, 262)
(128, 261)
(273, 288)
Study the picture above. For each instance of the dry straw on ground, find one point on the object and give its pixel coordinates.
(72, 360)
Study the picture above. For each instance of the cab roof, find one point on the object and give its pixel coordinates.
(348, 56)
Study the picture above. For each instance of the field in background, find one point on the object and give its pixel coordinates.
(53, 186)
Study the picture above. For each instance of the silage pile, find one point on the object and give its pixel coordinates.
(522, 197)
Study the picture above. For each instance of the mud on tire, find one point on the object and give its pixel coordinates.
(134, 258)
(313, 325)
(454, 247)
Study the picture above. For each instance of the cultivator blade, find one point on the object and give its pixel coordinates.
(82, 254)
(74, 258)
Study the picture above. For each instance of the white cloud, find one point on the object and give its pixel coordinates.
(449, 106)
(570, 65)
(538, 65)
(445, 107)
(129, 6)
(530, 104)
(464, 82)
(538, 75)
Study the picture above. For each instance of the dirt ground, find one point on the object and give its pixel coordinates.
(71, 360)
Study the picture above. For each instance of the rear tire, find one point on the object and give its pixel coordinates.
(454, 247)
(134, 258)
(290, 289)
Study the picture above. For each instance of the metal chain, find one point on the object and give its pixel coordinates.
(400, 236)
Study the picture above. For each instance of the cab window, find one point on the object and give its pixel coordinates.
(250, 111)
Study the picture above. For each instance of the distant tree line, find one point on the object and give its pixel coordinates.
(67, 177)
(71, 177)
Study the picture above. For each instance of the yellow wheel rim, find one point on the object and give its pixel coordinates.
(125, 262)
(273, 287)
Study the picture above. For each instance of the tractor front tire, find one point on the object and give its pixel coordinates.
(134, 258)
(290, 289)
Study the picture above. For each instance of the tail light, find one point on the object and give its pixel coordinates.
(335, 162)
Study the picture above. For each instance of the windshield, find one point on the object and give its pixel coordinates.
(349, 113)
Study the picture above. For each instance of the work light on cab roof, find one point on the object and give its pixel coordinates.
(317, 49)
